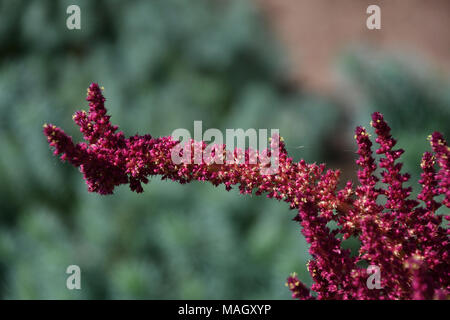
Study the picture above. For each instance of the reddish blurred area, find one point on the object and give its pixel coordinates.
(316, 31)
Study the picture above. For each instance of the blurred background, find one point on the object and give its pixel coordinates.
(309, 68)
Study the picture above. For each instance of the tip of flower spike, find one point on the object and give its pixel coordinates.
(48, 128)
(361, 132)
(437, 139)
(377, 117)
(94, 93)
(379, 124)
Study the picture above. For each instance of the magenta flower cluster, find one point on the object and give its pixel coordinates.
(403, 237)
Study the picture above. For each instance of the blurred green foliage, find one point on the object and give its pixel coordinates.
(164, 64)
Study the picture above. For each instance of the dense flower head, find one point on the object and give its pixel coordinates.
(403, 237)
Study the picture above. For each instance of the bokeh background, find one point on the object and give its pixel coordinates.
(308, 68)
